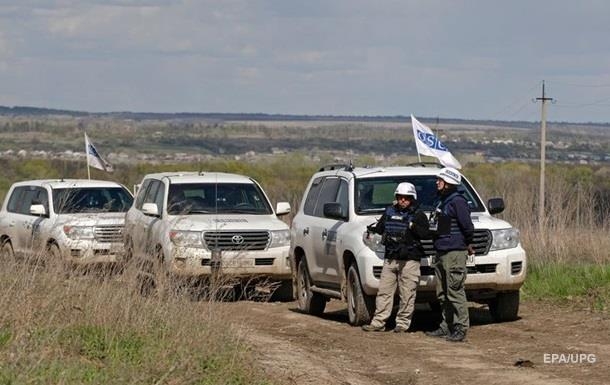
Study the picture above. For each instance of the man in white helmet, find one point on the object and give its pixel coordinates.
(402, 226)
(453, 244)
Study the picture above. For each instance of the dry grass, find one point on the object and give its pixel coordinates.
(575, 227)
(96, 328)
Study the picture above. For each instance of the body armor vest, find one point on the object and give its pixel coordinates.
(396, 228)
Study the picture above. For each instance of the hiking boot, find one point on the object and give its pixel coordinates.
(458, 335)
(401, 329)
(440, 332)
(371, 328)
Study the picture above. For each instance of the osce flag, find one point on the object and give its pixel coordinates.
(93, 157)
(428, 144)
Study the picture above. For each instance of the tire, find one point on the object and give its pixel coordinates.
(283, 293)
(360, 307)
(6, 251)
(128, 252)
(308, 301)
(53, 257)
(505, 307)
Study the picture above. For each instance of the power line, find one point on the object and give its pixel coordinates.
(581, 85)
(522, 106)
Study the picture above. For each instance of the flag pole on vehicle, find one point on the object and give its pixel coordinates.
(94, 159)
(428, 144)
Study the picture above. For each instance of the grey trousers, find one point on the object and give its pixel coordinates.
(450, 270)
(405, 275)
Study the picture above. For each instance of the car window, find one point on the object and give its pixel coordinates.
(142, 193)
(226, 198)
(375, 194)
(312, 196)
(328, 193)
(15, 201)
(91, 199)
(160, 195)
(151, 193)
(343, 197)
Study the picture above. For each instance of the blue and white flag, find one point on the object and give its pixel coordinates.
(428, 144)
(93, 157)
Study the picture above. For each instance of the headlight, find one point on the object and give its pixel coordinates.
(373, 242)
(504, 239)
(79, 232)
(186, 238)
(279, 238)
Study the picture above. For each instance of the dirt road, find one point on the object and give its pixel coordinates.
(296, 348)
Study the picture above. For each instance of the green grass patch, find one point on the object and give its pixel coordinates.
(587, 284)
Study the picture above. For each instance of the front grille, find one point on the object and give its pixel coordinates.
(477, 269)
(264, 261)
(236, 240)
(482, 269)
(515, 267)
(481, 241)
(109, 233)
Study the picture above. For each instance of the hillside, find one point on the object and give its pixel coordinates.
(134, 136)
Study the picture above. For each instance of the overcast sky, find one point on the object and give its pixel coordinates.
(448, 59)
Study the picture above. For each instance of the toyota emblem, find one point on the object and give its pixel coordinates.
(237, 239)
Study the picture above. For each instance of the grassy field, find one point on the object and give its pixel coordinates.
(96, 329)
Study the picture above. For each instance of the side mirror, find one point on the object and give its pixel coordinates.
(282, 208)
(334, 210)
(38, 210)
(150, 209)
(495, 205)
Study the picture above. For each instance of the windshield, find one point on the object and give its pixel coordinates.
(91, 200)
(212, 198)
(373, 195)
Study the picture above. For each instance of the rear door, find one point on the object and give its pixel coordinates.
(326, 261)
(25, 226)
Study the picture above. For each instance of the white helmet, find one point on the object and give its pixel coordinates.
(406, 188)
(450, 175)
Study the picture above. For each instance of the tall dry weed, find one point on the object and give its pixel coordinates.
(576, 223)
(66, 326)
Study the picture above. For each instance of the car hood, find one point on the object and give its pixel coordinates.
(228, 222)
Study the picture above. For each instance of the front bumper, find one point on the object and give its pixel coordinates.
(497, 271)
(92, 252)
(273, 263)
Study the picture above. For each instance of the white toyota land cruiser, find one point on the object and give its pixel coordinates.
(77, 221)
(333, 256)
(192, 224)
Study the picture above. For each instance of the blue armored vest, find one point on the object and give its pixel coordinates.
(397, 222)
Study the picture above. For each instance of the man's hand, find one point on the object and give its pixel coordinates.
(470, 250)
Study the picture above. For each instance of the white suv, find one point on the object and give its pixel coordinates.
(77, 221)
(333, 256)
(192, 223)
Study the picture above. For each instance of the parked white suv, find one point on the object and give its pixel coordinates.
(333, 256)
(193, 224)
(77, 221)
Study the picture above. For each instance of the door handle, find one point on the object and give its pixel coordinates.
(306, 231)
(324, 234)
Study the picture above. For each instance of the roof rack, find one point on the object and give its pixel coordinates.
(426, 164)
(337, 166)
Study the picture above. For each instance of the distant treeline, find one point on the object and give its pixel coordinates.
(221, 117)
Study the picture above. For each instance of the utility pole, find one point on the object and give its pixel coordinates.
(543, 99)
